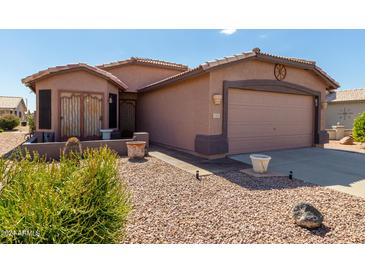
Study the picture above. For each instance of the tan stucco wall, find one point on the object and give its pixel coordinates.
(334, 113)
(249, 70)
(80, 81)
(175, 114)
(137, 76)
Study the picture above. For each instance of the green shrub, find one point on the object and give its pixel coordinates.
(71, 201)
(9, 121)
(358, 131)
(1, 130)
(30, 120)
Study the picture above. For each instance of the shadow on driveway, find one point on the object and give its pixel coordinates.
(226, 168)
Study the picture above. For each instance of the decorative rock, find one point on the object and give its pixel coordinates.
(307, 216)
(347, 140)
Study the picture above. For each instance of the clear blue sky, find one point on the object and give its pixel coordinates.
(341, 53)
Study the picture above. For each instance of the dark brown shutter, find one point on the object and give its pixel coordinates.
(45, 109)
(112, 110)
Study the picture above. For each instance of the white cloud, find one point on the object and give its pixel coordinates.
(228, 31)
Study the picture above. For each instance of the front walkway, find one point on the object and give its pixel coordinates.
(340, 170)
(191, 163)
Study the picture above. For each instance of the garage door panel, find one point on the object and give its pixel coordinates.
(265, 143)
(269, 113)
(259, 121)
(262, 130)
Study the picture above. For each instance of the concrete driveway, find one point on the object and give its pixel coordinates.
(340, 170)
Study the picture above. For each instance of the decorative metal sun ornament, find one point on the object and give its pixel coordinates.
(280, 72)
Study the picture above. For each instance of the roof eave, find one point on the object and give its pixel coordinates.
(30, 82)
(193, 73)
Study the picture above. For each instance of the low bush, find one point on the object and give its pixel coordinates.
(30, 120)
(358, 131)
(71, 201)
(9, 121)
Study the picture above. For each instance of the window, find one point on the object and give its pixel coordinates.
(45, 110)
(112, 110)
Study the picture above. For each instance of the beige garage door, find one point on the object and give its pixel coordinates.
(259, 121)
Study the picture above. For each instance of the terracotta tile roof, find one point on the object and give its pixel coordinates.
(29, 81)
(255, 53)
(145, 61)
(346, 95)
(10, 101)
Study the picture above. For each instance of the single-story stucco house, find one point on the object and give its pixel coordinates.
(344, 106)
(13, 105)
(248, 102)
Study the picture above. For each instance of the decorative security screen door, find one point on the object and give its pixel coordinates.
(92, 116)
(81, 115)
(70, 115)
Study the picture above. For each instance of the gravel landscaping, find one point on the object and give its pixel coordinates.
(172, 206)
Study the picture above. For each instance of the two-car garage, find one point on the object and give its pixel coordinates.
(265, 120)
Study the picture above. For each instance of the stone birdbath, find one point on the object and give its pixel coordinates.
(136, 149)
(260, 162)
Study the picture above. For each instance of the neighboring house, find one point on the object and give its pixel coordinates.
(344, 106)
(248, 102)
(13, 105)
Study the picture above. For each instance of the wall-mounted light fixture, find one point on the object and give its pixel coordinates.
(217, 99)
(110, 100)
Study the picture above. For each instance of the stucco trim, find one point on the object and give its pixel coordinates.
(211, 144)
(277, 87)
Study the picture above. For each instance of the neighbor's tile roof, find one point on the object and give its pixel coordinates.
(255, 53)
(146, 61)
(10, 101)
(29, 81)
(347, 95)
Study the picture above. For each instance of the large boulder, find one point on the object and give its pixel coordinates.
(307, 216)
(348, 140)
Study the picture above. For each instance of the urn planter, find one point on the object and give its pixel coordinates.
(260, 162)
(136, 149)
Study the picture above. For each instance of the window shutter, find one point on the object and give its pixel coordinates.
(45, 109)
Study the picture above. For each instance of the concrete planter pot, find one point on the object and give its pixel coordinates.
(106, 134)
(136, 149)
(260, 162)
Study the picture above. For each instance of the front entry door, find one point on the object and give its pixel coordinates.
(127, 117)
(81, 115)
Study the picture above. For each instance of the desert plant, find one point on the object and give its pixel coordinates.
(63, 202)
(9, 121)
(72, 148)
(30, 120)
(358, 131)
